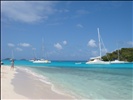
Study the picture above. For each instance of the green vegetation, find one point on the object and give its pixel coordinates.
(125, 54)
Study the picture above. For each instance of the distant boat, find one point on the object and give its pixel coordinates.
(117, 61)
(42, 60)
(97, 60)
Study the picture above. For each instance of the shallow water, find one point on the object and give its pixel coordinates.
(84, 81)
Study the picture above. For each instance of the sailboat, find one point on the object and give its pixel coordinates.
(117, 61)
(42, 60)
(97, 60)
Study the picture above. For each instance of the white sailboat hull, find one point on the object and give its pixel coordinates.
(97, 62)
(41, 61)
(117, 62)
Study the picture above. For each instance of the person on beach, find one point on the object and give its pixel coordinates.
(12, 64)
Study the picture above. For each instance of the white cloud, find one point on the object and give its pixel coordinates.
(27, 11)
(92, 43)
(11, 45)
(24, 44)
(19, 49)
(58, 46)
(64, 42)
(79, 25)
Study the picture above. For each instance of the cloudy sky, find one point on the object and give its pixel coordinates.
(67, 29)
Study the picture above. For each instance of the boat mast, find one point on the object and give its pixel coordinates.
(42, 48)
(118, 53)
(99, 41)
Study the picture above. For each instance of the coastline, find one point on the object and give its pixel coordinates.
(17, 84)
(67, 83)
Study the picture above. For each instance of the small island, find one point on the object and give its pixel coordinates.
(124, 54)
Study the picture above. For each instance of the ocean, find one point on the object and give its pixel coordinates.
(93, 82)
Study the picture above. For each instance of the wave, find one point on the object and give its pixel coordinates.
(45, 80)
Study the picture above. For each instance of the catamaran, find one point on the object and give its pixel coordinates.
(97, 60)
(42, 60)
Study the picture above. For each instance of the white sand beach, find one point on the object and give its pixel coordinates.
(7, 89)
(19, 85)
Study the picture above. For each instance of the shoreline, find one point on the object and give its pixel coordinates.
(18, 84)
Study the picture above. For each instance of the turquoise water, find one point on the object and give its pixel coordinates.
(67, 64)
(84, 81)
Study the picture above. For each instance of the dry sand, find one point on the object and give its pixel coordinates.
(7, 89)
(17, 84)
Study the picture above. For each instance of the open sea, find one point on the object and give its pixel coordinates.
(92, 82)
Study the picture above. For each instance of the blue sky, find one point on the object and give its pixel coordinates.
(69, 28)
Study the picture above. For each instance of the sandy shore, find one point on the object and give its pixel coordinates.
(17, 84)
(7, 89)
